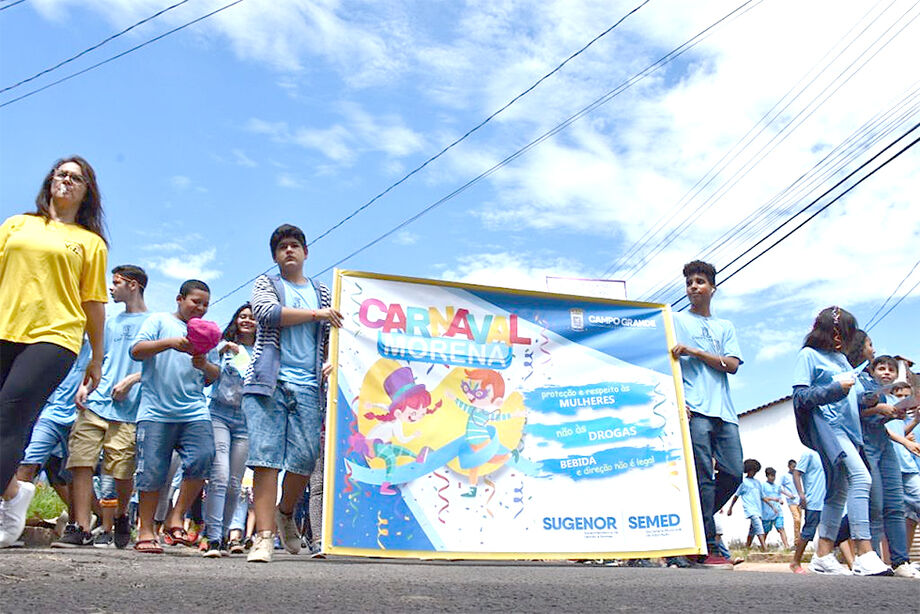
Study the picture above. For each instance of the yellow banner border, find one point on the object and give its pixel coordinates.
(329, 487)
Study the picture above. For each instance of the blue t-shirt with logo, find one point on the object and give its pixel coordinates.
(812, 480)
(172, 390)
(771, 491)
(298, 343)
(60, 406)
(751, 496)
(706, 389)
(788, 485)
(818, 368)
(120, 334)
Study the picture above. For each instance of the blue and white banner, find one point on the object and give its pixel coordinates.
(474, 422)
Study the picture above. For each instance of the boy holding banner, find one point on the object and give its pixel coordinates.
(282, 392)
(708, 351)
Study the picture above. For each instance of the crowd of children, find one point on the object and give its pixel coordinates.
(130, 410)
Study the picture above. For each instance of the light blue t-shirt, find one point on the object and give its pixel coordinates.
(750, 494)
(771, 491)
(60, 406)
(818, 368)
(120, 334)
(905, 458)
(788, 485)
(813, 482)
(706, 390)
(172, 390)
(298, 343)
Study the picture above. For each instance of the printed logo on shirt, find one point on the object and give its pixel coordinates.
(75, 247)
(707, 340)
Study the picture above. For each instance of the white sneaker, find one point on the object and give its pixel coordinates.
(906, 570)
(263, 544)
(828, 565)
(287, 530)
(13, 519)
(869, 564)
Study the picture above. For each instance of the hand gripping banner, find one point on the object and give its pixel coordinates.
(475, 422)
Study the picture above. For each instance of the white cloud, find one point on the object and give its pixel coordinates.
(404, 237)
(503, 269)
(184, 266)
(180, 182)
(287, 180)
(241, 159)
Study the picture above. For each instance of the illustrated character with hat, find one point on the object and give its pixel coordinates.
(409, 403)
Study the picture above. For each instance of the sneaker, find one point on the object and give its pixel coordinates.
(262, 547)
(316, 551)
(287, 531)
(74, 537)
(828, 565)
(213, 549)
(869, 564)
(104, 540)
(716, 562)
(13, 515)
(224, 548)
(235, 546)
(122, 532)
(906, 570)
(916, 565)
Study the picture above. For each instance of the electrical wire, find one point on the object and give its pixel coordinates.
(121, 55)
(93, 48)
(825, 206)
(689, 219)
(890, 309)
(11, 5)
(872, 321)
(651, 68)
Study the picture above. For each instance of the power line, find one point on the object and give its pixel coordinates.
(746, 140)
(671, 55)
(445, 149)
(93, 48)
(11, 5)
(776, 140)
(477, 126)
(849, 149)
(819, 211)
(890, 309)
(871, 322)
(122, 54)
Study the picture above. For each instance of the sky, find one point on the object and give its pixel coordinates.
(276, 111)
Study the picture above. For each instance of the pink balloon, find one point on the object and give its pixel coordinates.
(204, 335)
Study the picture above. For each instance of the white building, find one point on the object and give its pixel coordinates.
(768, 434)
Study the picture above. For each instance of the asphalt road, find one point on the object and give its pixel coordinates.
(88, 580)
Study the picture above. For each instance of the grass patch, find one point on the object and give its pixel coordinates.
(46, 504)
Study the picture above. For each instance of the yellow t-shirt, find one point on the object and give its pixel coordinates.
(47, 271)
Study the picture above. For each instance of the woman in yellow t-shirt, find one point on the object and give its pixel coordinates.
(52, 284)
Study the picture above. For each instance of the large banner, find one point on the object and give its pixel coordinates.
(474, 422)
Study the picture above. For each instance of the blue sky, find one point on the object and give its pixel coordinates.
(295, 111)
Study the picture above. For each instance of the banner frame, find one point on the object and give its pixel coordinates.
(329, 486)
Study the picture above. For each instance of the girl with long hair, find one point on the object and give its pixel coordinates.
(825, 392)
(52, 280)
(231, 440)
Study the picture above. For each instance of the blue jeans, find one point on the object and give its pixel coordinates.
(756, 526)
(284, 429)
(194, 441)
(241, 513)
(713, 438)
(231, 446)
(886, 496)
(49, 438)
(847, 485)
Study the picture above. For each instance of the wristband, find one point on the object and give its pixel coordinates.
(722, 362)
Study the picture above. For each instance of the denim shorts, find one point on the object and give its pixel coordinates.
(233, 417)
(48, 439)
(756, 526)
(777, 523)
(194, 441)
(810, 525)
(284, 428)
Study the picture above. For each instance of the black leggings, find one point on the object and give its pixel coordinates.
(29, 373)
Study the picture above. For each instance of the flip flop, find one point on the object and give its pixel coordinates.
(148, 546)
(179, 536)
